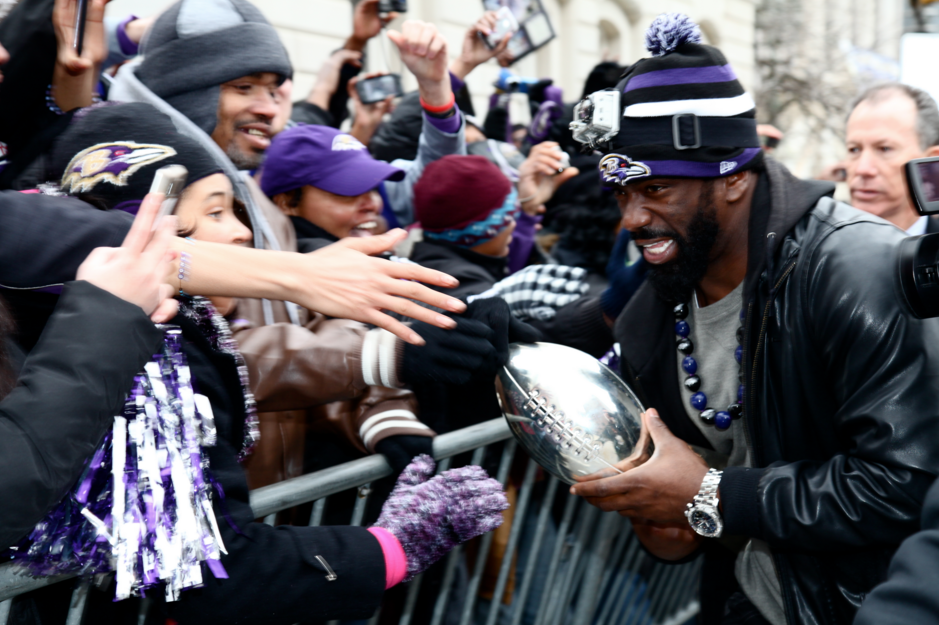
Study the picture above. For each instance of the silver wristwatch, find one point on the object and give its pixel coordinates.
(703, 513)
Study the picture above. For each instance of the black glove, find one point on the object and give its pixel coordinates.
(400, 450)
(495, 313)
(449, 356)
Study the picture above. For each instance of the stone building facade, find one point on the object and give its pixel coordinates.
(587, 31)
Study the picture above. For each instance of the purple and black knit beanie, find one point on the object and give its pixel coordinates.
(684, 113)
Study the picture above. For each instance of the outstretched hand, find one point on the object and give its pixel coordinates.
(656, 489)
(540, 176)
(344, 281)
(136, 272)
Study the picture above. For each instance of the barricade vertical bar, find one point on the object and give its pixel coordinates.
(270, 519)
(478, 456)
(452, 561)
(142, 612)
(76, 611)
(673, 603)
(685, 591)
(507, 454)
(594, 565)
(569, 508)
(658, 606)
(518, 521)
(411, 600)
(5, 611)
(615, 592)
(316, 517)
(585, 525)
(672, 599)
(613, 563)
(638, 589)
(522, 596)
(361, 499)
(636, 612)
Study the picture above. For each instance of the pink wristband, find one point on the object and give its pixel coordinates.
(396, 563)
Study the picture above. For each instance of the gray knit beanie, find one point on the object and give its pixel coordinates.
(196, 45)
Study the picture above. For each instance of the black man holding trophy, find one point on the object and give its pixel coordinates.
(793, 417)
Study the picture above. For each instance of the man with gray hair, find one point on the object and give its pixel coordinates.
(890, 124)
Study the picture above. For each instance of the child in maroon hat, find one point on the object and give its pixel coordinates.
(467, 209)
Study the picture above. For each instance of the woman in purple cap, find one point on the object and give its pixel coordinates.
(327, 182)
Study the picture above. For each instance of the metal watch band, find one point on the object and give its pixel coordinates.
(708, 493)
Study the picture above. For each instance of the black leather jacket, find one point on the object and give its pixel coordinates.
(841, 411)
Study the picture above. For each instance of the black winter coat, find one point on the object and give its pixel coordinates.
(909, 596)
(274, 576)
(476, 272)
(840, 405)
(70, 388)
(43, 240)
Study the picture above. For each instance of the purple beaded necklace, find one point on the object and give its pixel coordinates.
(721, 419)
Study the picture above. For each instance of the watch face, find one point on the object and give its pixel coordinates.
(705, 521)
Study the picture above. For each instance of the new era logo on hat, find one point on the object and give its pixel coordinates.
(344, 142)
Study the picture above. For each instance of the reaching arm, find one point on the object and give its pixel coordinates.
(341, 280)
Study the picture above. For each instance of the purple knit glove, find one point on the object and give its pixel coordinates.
(431, 515)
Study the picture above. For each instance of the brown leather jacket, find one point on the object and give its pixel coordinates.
(310, 377)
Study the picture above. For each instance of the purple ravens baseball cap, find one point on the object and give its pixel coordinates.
(324, 158)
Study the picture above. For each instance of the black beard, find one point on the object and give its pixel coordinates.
(675, 281)
(242, 161)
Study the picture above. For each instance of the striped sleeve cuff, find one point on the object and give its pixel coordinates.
(391, 423)
(380, 355)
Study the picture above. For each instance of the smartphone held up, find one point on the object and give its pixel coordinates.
(169, 181)
(379, 88)
(506, 24)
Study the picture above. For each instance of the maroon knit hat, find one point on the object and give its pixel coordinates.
(456, 191)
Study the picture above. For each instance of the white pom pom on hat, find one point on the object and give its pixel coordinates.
(670, 30)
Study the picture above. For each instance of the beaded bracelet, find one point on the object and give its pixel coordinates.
(54, 107)
(50, 101)
(185, 270)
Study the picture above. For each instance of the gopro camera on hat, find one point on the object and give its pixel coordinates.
(596, 118)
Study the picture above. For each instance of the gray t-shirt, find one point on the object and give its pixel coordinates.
(714, 335)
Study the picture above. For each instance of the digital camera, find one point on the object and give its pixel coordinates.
(919, 256)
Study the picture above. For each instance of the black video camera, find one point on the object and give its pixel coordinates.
(919, 256)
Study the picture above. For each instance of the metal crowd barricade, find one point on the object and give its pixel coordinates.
(572, 564)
